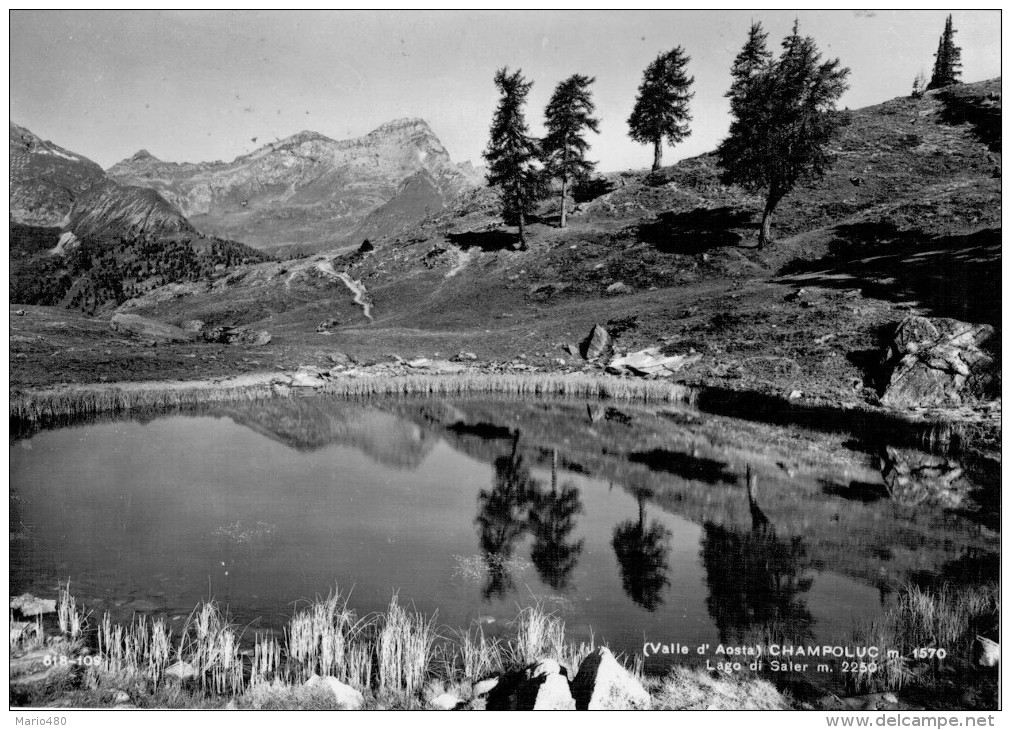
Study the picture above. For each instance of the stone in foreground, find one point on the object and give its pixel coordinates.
(554, 694)
(603, 684)
(347, 696)
(485, 686)
(540, 686)
(182, 671)
(445, 701)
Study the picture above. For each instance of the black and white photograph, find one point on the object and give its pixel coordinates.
(488, 360)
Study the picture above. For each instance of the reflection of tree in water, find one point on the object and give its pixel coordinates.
(552, 520)
(516, 504)
(641, 551)
(756, 579)
(502, 517)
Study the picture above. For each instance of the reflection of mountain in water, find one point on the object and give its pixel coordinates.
(307, 424)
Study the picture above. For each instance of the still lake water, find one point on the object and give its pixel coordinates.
(636, 524)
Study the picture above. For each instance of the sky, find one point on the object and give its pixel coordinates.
(201, 85)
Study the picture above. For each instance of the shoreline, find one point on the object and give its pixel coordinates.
(955, 431)
(330, 657)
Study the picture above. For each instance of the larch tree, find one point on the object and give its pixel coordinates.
(783, 119)
(568, 117)
(753, 59)
(661, 109)
(947, 60)
(512, 153)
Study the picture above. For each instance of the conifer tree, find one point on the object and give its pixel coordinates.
(568, 116)
(661, 107)
(753, 59)
(512, 152)
(783, 119)
(947, 60)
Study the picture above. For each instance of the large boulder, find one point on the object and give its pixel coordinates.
(603, 684)
(596, 344)
(938, 362)
(149, 329)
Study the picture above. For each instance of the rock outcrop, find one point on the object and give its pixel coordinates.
(651, 362)
(149, 329)
(938, 362)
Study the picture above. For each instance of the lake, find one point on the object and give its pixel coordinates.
(634, 524)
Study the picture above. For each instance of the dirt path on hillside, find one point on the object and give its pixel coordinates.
(361, 294)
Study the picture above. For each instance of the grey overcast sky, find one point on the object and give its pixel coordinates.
(200, 85)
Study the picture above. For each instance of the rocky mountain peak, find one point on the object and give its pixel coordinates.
(308, 189)
(403, 126)
(306, 135)
(143, 156)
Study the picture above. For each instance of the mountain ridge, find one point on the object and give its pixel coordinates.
(80, 239)
(306, 191)
(54, 187)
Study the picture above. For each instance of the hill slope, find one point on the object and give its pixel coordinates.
(908, 220)
(305, 192)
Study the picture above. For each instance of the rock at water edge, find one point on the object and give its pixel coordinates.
(603, 684)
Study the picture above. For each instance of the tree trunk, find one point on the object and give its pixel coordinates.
(765, 235)
(657, 153)
(523, 237)
(565, 184)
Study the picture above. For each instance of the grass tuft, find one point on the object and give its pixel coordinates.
(946, 618)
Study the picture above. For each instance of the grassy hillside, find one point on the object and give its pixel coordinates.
(102, 271)
(907, 220)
